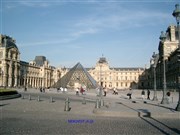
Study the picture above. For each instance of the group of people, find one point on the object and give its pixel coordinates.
(61, 89)
(81, 90)
(42, 89)
(143, 94)
(102, 91)
(115, 92)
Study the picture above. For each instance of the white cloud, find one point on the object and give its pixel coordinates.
(48, 42)
(119, 20)
(35, 3)
(85, 31)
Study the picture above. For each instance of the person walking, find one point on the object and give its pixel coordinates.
(148, 94)
(142, 94)
(130, 93)
(105, 91)
(168, 95)
(77, 91)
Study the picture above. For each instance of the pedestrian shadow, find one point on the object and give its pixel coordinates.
(4, 104)
(175, 130)
(147, 114)
(153, 125)
(158, 105)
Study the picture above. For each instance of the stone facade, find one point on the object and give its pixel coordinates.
(16, 73)
(120, 78)
(9, 62)
(38, 73)
(169, 48)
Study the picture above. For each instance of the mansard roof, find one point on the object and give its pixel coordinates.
(8, 42)
(168, 32)
(102, 60)
(39, 60)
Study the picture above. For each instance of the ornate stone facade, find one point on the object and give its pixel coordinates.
(38, 73)
(120, 78)
(9, 62)
(16, 73)
(169, 47)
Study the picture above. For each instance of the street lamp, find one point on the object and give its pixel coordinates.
(2, 73)
(176, 14)
(164, 99)
(155, 60)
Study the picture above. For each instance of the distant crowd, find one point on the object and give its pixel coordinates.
(102, 91)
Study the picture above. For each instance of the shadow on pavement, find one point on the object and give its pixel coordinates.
(4, 104)
(150, 123)
(147, 114)
(173, 129)
(169, 108)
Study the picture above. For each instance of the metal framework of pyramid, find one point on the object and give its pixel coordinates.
(77, 74)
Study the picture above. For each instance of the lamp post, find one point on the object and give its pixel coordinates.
(155, 60)
(2, 73)
(176, 14)
(164, 99)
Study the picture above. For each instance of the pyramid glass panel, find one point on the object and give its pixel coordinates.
(77, 75)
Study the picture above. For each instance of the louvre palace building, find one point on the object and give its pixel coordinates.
(39, 73)
(169, 53)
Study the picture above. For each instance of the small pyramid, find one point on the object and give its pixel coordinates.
(76, 75)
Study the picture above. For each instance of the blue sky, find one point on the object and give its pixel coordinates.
(126, 32)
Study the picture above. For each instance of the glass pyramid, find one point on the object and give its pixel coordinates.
(77, 75)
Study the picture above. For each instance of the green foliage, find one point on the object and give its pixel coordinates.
(7, 92)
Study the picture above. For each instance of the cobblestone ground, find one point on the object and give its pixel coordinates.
(37, 123)
(24, 117)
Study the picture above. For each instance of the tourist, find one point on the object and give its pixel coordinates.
(142, 94)
(77, 91)
(130, 93)
(168, 95)
(148, 94)
(105, 91)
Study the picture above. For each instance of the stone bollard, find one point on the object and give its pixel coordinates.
(51, 100)
(38, 99)
(84, 101)
(22, 97)
(29, 97)
(101, 102)
(66, 107)
(97, 105)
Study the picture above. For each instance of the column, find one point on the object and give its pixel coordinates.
(10, 76)
(15, 75)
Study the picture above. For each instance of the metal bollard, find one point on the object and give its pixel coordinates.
(38, 99)
(97, 105)
(101, 102)
(84, 101)
(66, 107)
(29, 97)
(172, 99)
(51, 99)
